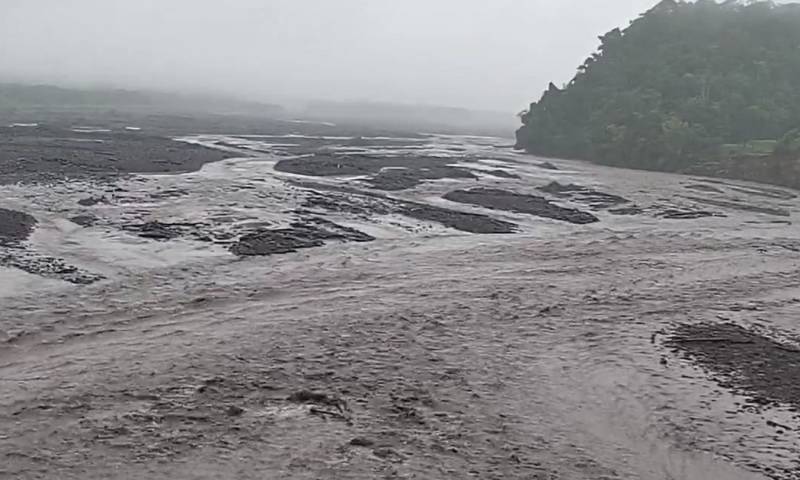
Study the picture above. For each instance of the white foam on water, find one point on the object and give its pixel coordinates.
(14, 282)
(310, 122)
(90, 130)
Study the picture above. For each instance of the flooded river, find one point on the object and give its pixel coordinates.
(428, 352)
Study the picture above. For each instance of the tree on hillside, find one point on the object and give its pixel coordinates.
(675, 86)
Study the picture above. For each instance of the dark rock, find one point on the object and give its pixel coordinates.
(515, 202)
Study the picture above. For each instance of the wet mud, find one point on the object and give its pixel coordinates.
(496, 199)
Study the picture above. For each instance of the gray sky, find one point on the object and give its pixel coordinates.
(492, 54)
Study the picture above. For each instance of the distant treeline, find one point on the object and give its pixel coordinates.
(685, 85)
(20, 96)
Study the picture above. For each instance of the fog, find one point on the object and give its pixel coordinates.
(483, 54)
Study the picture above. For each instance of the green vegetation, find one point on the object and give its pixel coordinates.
(686, 84)
(789, 145)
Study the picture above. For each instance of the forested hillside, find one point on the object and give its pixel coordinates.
(686, 87)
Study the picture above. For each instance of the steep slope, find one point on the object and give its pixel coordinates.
(686, 87)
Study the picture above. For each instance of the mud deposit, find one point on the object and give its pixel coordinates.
(596, 200)
(56, 152)
(298, 236)
(271, 315)
(367, 204)
(514, 202)
(766, 370)
(15, 227)
(779, 212)
(389, 173)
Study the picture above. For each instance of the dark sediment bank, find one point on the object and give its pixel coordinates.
(743, 360)
(675, 214)
(386, 173)
(48, 267)
(366, 204)
(48, 154)
(703, 188)
(500, 173)
(15, 227)
(515, 202)
(312, 233)
(778, 212)
(466, 222)
(595, 199)
(86, 220)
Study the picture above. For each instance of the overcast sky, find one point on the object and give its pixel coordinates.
(491, 54)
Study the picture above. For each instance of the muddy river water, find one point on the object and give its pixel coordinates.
(429, 351)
